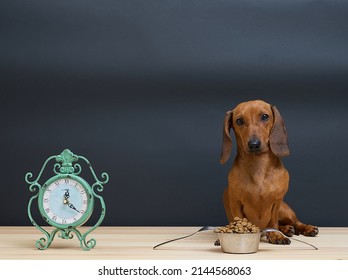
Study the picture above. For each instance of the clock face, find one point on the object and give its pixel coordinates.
(66, 201)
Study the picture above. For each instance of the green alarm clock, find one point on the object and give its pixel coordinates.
(66, 200)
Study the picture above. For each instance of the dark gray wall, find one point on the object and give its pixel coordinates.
(141, 89)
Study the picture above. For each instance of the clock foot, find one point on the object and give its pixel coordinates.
(44, 243)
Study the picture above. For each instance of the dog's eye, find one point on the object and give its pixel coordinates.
(239, 121)
(264, 117)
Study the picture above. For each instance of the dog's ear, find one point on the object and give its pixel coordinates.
(278, 136)
(226, 138)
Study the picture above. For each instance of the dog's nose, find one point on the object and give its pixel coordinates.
(254, 145)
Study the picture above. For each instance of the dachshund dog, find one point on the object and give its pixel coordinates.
(258, 180)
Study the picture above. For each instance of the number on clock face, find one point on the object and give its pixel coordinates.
(65, 201)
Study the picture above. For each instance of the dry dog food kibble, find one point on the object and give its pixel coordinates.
(238, 226)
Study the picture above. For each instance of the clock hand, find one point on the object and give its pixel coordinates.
(66, 201)
(73, 207)
(66, 196)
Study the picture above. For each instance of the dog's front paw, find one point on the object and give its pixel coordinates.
(278, 238)
(287, 230)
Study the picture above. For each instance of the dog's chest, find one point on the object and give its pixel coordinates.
(258, 200)
(267, 192)
(261, 186)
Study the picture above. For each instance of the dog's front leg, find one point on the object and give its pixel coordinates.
(233, 207)
(276, 237)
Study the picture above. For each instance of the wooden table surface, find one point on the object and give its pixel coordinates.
(127, 243)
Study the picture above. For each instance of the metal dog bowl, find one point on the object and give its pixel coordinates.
(239, 243)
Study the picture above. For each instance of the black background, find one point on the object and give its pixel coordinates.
(141, 88)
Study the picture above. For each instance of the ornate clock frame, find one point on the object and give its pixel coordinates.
(66, 164)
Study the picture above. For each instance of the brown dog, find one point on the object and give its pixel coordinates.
(258, 180)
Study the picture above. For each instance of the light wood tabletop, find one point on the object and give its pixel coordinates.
(127, 243)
